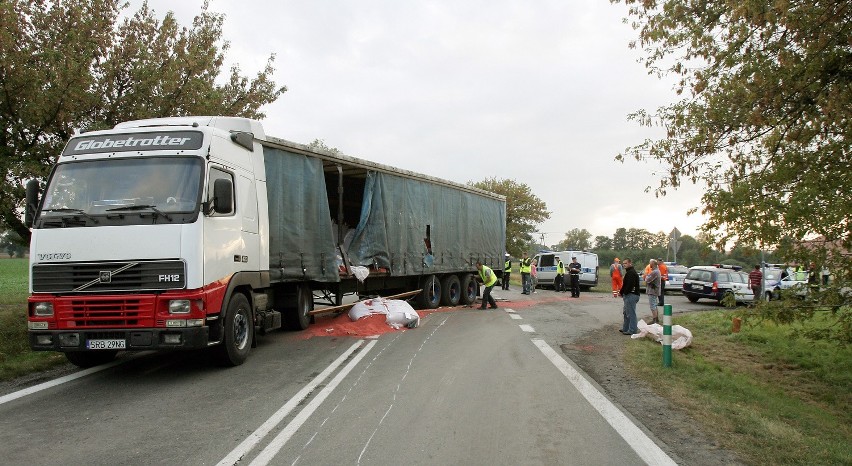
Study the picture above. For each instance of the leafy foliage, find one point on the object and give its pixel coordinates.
(524, 210)
(74, 64)
(576, 239)
(764, 122)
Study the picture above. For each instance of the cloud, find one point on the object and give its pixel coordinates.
(465, 90)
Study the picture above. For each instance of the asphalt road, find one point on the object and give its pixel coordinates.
(466, 387)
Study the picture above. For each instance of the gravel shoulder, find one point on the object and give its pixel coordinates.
(600, 354)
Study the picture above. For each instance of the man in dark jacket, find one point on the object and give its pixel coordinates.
(630, 294)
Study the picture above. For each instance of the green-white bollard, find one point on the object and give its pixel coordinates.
(667, 335)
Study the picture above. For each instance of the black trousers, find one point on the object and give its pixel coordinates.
(487, 298)
(506, 280)
(575, 285)
(559, 283)
(661, 299)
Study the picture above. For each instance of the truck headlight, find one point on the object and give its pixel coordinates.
(179, 306)
(43, 309)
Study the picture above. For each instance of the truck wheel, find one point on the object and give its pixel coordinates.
(86, 359)
(450, 290)
(299, 318)
(469, 290)
(238, 329)
(430, 297)
(692, 299)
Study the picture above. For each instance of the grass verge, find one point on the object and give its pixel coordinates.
(771, 395)
(16, 358)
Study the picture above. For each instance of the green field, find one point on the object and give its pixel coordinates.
(771, 394)
(16, 359)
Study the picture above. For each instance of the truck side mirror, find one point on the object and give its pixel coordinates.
(223, 198)
(31, 203)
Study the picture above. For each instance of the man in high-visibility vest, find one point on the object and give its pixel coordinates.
(507, 270)
(525, 273)
(559, 281)
(489, 279)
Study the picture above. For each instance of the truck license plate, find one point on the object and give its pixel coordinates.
(105, 344)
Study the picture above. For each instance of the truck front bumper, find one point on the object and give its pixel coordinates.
(134, 339)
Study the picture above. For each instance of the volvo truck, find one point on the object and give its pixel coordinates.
(204, 232)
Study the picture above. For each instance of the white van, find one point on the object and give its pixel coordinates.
(546, 268)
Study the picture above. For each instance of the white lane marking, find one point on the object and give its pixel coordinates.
(268, 453)
(515, 316)
(410, 362)
(527, 328)
(246, 445)
(62, 380)
(638, 441)
(510, 310)
(345, 395)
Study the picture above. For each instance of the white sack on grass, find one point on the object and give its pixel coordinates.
(681, 336)
(399, 313)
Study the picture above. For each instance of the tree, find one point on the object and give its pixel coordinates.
(524, 210)
(603, 242)
(764, 121)
(576, 240)
(319, 144)
(71, 65)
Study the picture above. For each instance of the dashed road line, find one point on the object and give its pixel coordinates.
(527, 328)
(515, 316)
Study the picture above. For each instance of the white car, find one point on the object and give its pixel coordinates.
(676, 275)
(791, 282)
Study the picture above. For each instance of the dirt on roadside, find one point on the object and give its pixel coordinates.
(600, 354)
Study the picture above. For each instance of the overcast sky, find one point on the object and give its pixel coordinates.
(533, 91)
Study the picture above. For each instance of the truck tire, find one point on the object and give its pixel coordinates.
(692, 299)
(469, 290)
(299, 317)
(238, 332)
(430, 297)
(450, 290)
(87, 359)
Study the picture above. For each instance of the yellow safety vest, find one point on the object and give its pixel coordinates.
(508, 266)
(560, 268)
(525, 265)
(487, 276)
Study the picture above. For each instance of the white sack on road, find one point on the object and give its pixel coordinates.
(399, 313)
(681, 336)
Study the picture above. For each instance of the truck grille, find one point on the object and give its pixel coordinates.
(99, 277)
(100, 312)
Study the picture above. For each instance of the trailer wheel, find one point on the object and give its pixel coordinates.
(469, 290)
(86, 359)
(430, 297)
(450, 290)
(299, 318)
(238, 329)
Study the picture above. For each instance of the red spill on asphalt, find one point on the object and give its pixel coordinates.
(341, 326)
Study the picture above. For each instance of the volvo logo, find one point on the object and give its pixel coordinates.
(105, 276)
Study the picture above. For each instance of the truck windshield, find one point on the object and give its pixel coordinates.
(132, 190)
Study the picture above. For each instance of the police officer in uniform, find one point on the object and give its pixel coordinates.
(574, 271)
(507, 270)
(525, 273)
(559, 281)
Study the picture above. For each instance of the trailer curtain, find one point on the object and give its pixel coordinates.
(463, 226)
(301, 242)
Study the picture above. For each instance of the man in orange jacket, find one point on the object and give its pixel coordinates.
(664, 277)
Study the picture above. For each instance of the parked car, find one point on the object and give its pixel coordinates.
(676, 275)
(771, 280)
(793, 281)
(711, 282)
